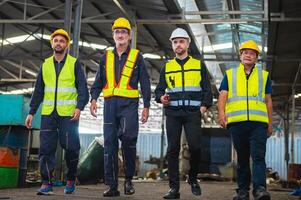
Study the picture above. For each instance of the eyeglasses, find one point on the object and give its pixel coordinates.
(120, 31)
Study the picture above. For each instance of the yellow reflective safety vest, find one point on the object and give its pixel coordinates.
(184, 82)
(122, 89)
(62, 87)
(246, 98)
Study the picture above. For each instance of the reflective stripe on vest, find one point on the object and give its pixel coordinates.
(246, 98)
(66, 92)
(123, 88)
(183, 83)
(187, 88)
(186, 103)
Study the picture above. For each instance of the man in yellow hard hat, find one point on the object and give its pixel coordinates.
(120, 70)
(184, 90)
(245, 109)
(61, 87)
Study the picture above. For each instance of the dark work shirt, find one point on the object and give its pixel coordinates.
(139, 75)
(224, 83)
(206, 94)
(80, 84)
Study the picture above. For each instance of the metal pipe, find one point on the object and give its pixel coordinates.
(68, 16)
(77, 27)
(157, 21)
(25, 9)
(293, 114)
(293, 126)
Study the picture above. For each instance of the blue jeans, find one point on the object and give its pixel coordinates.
(249, 139)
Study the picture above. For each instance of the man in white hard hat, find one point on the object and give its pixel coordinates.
(185, 92)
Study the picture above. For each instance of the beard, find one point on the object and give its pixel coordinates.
(180, 51)
(59, 50)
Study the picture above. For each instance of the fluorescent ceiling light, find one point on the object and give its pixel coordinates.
(31, 72)
(22, 38)
(297, 95)
(222, 46)
(151, 56)
(92, 45)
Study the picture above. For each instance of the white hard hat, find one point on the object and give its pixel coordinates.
(179, 33)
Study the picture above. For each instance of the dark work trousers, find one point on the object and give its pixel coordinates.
(54, 128)
(249, 139)
(120, 122)
(192, 127)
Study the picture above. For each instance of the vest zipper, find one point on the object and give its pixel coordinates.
(248, 98)
(183, 84)
(56, 83)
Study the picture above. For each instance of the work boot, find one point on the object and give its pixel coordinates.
(242, 194)
(111, 192)
(173, 193)
(261, 193)
(128, 187)
(70, 187)
(46, 189)
(195, 187)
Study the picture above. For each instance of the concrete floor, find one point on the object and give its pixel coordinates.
(145, 190)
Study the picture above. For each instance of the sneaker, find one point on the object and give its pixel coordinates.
(70, 187)
(46, 189)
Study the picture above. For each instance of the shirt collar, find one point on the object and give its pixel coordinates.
(64, 59)
(126, 51)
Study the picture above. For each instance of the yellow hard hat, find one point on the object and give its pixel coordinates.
(121, 23)
(250, 44)
(60, 32)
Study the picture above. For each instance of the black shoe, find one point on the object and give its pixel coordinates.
(128, 187)
(173, 193)
(111, 192)
(261, 194)
(241, 195)
(195, 187)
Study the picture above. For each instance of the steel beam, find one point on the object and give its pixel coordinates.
(157, 21)
(68, 16)
(21, 67)
(17, 80)
(77, 27)
(8, 72)
(47, 11)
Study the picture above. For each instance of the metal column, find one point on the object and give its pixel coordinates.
(293, 115)
(68, 16)
(77, 27)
